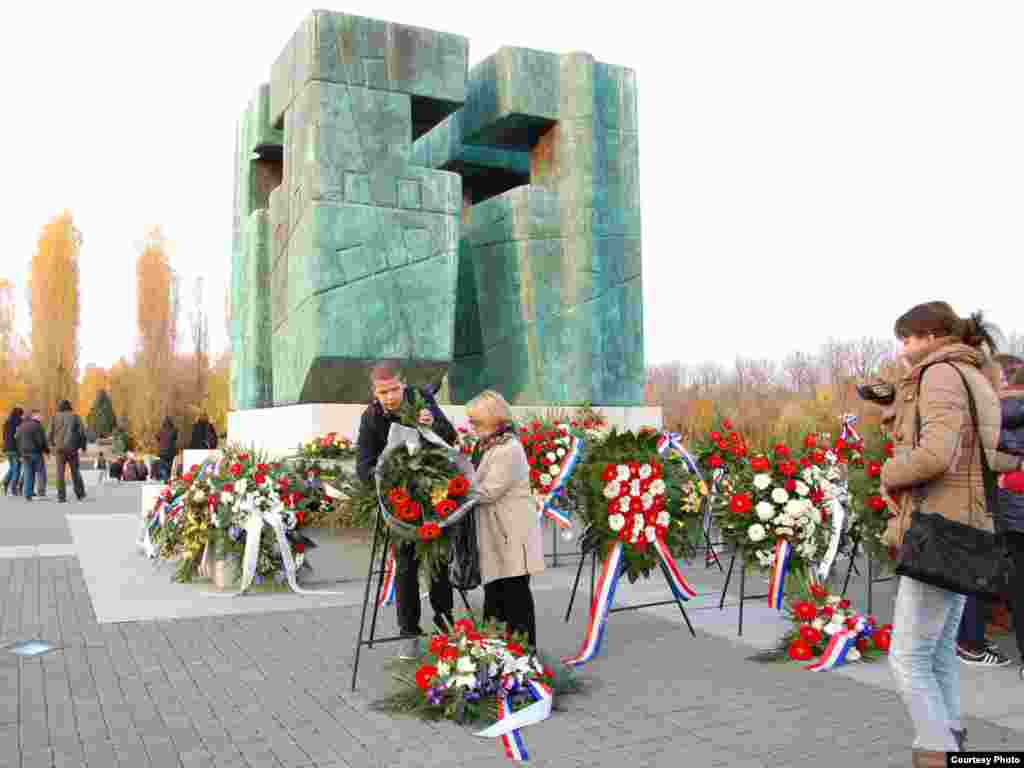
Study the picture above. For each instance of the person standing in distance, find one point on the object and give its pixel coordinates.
(67, 436)
(389, 394)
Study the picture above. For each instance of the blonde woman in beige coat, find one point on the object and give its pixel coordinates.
(508, 526)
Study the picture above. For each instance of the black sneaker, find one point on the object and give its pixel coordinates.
(984, 658)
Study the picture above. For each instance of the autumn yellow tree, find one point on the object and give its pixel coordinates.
(13, 368)
(55, 310)
(94, 379)
(157, 325)
(218, 393)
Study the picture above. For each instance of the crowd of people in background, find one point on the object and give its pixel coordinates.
(27, 445)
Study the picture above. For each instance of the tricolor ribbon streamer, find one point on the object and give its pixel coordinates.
(674, 441)
(837, 518)
(545, 503)
(848, 430)
(387, 592)
(837, 649)
(611, 571)
(506, 730)
(780, 567)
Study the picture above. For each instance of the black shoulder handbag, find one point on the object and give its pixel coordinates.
(465, 555)
(947, 554)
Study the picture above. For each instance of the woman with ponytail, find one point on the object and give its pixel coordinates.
(938, 466)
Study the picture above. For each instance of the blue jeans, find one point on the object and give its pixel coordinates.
(31, 464)
(972, 626)
(924, 663)
(13, 473)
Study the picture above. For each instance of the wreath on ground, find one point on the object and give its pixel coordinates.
(633, 495)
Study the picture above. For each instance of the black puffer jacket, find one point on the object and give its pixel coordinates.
(1011, 440)
(375, 425)
(10, 433)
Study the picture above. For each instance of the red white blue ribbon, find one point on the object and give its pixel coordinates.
(387, 592)
(780, 567)
(569, 462)
(674, 441)
(848, 430)
(837, 649)
(510, 723)
(680, 587)
(611, 571)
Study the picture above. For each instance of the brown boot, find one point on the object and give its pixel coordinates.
(924, 758)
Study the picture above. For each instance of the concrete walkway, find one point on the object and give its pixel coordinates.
(268, 685)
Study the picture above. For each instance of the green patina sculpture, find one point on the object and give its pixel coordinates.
(389, 204)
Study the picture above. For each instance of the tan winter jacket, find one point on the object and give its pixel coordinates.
(944, 470)
(508, 529)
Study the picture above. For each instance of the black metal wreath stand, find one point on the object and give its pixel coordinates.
(743, 585)
(593, 573)
(380, 531)
(871, 580)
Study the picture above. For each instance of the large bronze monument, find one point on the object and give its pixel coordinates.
(483, 224)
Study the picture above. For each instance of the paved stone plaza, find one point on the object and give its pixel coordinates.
(271, 687)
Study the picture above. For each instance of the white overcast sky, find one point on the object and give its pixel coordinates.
(807, 169)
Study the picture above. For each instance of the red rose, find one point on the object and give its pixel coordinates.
(194, 468)
(438, 643)
(517, 649)
(723, 446)
(236, 469)
(636, 504)
(874, 469)
(610, 473)
(819, 592)
(445, 507)
(890, 449)
(810, 441)
(882, 640)
(805, 611)
(429, 531)
(877, 503)
(809, 634)
(262, 468)
(634, 468)
(850, 623)
(760, 464)
(187, 479)
(862, 644)
(827, 611)
(782, 450)
(715, 462)
(300, 517)
(398, 497)
(614, 508)
(449, 654)
(286, 482)
(741, 504)
(799, 650)
(819, 457)
(458, 486)
(790, 485)
(655, 470)
(844, 604)
(410, 512)
(464, 626)
(260, 478)
(817, 496)
(424, 675)
(788, 468)
(715, 437)
(299, 548)
(726, 424)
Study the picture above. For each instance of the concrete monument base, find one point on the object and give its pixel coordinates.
(280, 431)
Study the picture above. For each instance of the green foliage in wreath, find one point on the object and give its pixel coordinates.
(588, 486)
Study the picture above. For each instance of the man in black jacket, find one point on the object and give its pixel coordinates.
(31, 439)
(389, 393)
(67, 436)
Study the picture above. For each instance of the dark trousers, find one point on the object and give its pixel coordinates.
(407, 590)
(977, 612)
(69, 459)
(1015, 543)
(511, 601)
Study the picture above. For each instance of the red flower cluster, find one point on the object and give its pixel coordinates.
(542, 443)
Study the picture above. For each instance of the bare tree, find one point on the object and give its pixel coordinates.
(800, 372)
(708, 377)
(866, 355)
(200, 326)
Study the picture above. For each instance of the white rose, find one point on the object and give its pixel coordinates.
(853, 655)
(833, 599)
(794, 507)
(624, 504)
(831, 628)
(611, 491)
(648, 501)
(779, 496)
(638, 523)
(241, 485)
(658, 487)
(651, 533)
(818, 624)
(765, 511)
(226, 497)
(764, 559)
(808, 475)
(465, 664)
(830, 457)
(545, 478)
(634, 487)
(756, 532)
(560, 452)
(664, 518)
(554, 469)
(552, 456)
(444, 669)
(833, 474)
(616, 522)
(762, 481)
(784, 531)
(623, 473)
(198, 497)
(464, 681)
(801, 488)
(645, 471)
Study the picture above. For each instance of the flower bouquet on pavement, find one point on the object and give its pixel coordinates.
(828, 632)
(480, 674)
(424, 487)
(774, 515)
